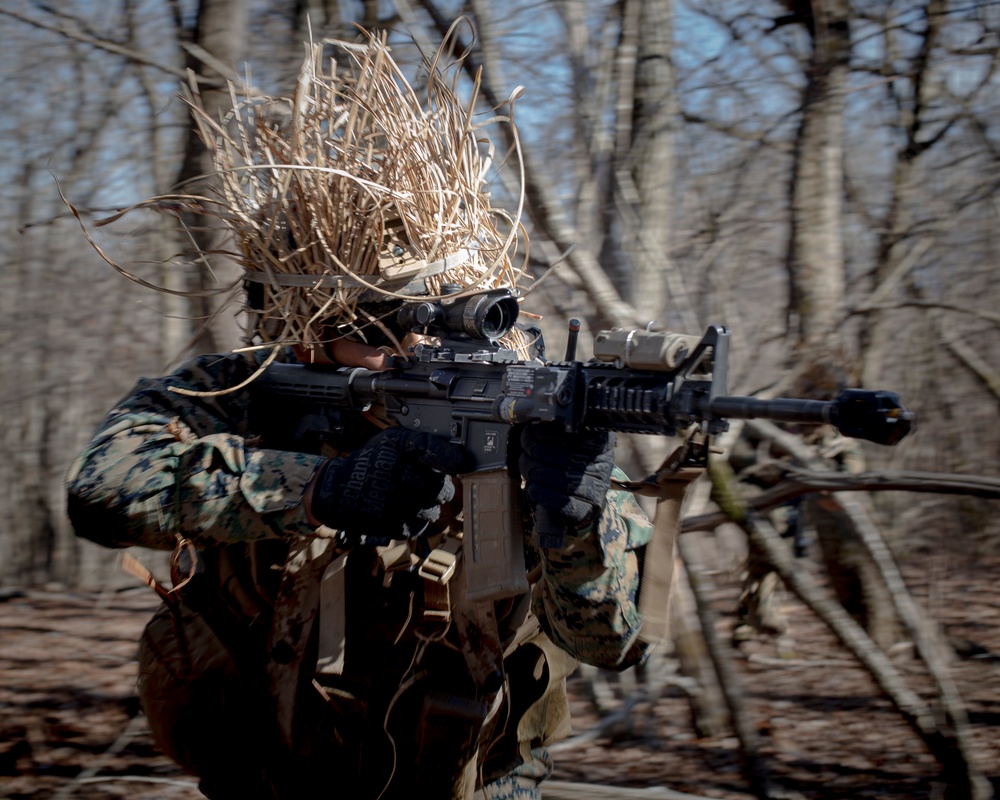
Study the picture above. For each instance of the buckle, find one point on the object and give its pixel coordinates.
(441, 563)
(437, 570)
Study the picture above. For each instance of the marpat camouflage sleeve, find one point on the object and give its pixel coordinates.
(163, 464)
(586, 599)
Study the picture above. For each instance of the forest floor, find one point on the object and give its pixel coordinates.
(69, 725)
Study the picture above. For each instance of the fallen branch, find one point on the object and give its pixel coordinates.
(557, 790)
(89, 775)
(183, 784)
(798, 482)
(606, 725)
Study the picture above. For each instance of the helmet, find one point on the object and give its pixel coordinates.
(823, 374)
(355, 194)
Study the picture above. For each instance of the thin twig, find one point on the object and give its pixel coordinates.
(102, 44)
(87, 775)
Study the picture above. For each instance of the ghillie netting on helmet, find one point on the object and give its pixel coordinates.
(356, 190)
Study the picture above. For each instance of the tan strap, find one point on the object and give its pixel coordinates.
(133, 566)
(184, 565)
(332, 619)
(669, 486)
(441, 565)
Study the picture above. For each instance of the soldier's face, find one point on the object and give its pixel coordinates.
(345, 353)
(348, 353)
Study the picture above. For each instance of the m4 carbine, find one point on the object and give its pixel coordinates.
(464, 386)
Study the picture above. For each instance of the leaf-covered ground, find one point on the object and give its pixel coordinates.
(69, 725)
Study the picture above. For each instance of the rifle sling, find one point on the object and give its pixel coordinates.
(669, 486)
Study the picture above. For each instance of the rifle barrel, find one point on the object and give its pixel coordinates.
(780, 409)
(875, 415)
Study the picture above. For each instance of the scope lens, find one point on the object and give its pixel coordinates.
(494, 320)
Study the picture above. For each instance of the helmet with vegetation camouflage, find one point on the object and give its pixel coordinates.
(356, 193)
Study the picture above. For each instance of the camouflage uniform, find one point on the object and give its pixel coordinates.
(166, 467)
(757, 464)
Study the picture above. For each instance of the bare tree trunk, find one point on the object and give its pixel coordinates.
(319, 13)
(710, 710)
(648, 183)
(816, 253)
(644, 189)
(754, 769)
(816, 271)
(215, 53)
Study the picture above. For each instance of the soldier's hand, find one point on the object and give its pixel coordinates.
(390, 488)
(567, 474)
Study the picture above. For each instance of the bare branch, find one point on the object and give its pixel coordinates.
(799, 482)
(894, 278)
(558, 790)
(110, 47)
(982, 314)
(611, 308)
(975, 362)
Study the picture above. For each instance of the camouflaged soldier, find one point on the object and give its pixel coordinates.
(300, 646)
(759, 465)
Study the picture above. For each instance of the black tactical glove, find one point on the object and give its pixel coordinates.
(567, 474)
(390, 488)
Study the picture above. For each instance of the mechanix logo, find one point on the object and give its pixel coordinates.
(491, 441)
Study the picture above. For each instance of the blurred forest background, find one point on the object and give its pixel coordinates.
(820, 176)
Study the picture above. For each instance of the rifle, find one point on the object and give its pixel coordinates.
(466, 387)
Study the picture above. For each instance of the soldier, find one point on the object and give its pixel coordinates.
(294, 649)
(757, 464)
